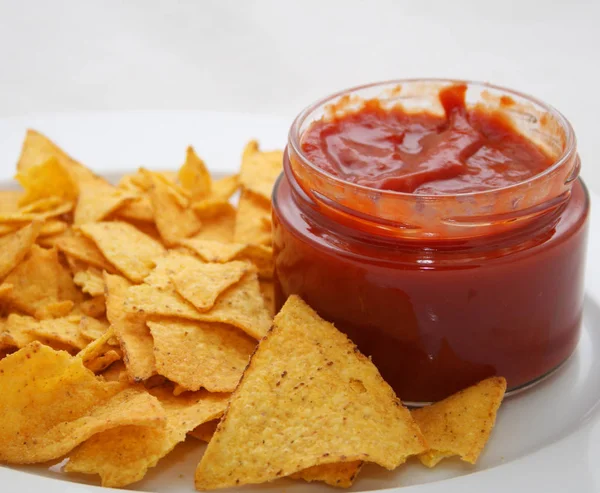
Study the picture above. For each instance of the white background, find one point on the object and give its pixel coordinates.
(275, 57)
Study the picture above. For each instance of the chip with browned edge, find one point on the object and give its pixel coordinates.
(460, 424)
(304, 367)
(200, 355)
(123, 455)
(50, 403)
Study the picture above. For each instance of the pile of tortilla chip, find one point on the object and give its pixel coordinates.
(137, 314)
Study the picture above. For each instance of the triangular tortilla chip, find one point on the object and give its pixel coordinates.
(14, 246)
(241, 305)
(174, 221)
(249, 220)
(460, 424)
(218, 228)
(123, 455)
(97, 200)
(128, 249)
(90, 281)
(201, 283)
(39, 280)
(83, 249)
(260, 169)
(131, 330)
(194, 176)
(200, 355)
(50, 403)
(305, 368)
(47, 179)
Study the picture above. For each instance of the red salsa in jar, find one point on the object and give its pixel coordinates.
(442, 226)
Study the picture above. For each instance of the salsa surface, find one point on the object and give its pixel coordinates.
(465, 150)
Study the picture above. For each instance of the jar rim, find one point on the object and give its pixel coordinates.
(567, 154)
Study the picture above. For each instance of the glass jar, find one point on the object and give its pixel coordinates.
(440, 290)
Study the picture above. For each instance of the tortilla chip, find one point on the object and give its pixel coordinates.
(260, 170)
(40, 280)
(205, 431)
(103, 361)
(267, 290)
(90, 281)
(202, 283)
(341, 475)
(55, 309)
(306, 368)
(26, 215)
(123, 455)
(241, 305)
(194, 176)
(94, 307)
(44, 204)
(174, 221)
(97, 200)
(47, 179)
(128, 249)
(64, 330)
(8, 228)
(97, 347)
(460, 424)
(9, 201)
(218, 228)
(14, 246)
(37, 149)
(249, 220)
(215, 251)
(92, 328)
(50, 403)
(225, 187)
(200, 355)
(131, 330)
(83, 249)
(53, 227)
(211, 207)
(139, 209)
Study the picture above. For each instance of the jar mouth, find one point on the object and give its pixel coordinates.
(567, 154)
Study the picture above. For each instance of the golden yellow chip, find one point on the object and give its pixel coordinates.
(39, 280)
(53, 227)
(43, 205)
(225, 187)
(200, 355)
(205, 431)
(249, 220)
(103, 361)
(194, 176)
(241, 305)
(97, 200)
(139, 209)
(37, 149)
(14, 246)
(268, 293)
(9, 201)
(47, 179)
(90, 281)
(131, 330)
(215, 251)
(83, 249)
(306, 367)
(24, 216)
(65, 330)
(460, 424)
(212, 207)
(202, 283)
(94, 307)
(92, 328)
(9, 228)
(260, 169)
(341, 475)
(123, 455)
(174, 221)
(128, 249)
(55, 309)
(97, 347)
(218, 228)
(50, 403)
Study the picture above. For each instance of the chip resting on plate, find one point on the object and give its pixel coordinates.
(307, 398)
(127, 248)
(460, 424)
(123, 455)
(50, 403)
(130, 329)
(199, 354)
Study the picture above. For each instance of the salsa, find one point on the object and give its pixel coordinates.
(440, 287)
(424, 153)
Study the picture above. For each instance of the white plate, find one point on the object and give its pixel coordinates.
(546, 439)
